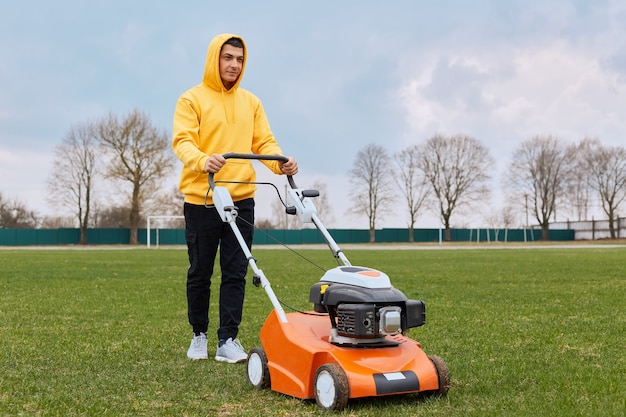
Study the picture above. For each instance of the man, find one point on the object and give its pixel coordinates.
(211, 119)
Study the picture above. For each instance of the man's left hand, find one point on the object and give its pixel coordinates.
(290, 167)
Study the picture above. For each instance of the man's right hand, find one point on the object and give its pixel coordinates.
(214, 163)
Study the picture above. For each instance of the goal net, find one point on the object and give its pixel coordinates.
(159, 222)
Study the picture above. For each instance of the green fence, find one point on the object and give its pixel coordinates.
(32, 237)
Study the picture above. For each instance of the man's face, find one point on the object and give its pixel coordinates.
(231, 62)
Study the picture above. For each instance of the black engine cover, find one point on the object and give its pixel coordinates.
(346, 303)
(336, 294)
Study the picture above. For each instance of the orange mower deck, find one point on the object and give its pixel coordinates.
(297, 349)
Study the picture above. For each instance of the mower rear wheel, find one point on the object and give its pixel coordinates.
(443, 376)
(331, 387)
(257, 371)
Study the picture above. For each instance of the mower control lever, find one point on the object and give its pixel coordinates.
(292, 210)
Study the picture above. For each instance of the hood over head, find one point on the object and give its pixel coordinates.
(212, 77)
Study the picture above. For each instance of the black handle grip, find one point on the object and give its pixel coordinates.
(255, 156)
(258, 157)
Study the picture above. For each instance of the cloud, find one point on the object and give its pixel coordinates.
(516, 92)
(22, 173)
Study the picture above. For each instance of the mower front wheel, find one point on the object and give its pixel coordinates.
(257, 371)
(331, 387)
(443, 376)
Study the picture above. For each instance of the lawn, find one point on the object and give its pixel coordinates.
(525, 332)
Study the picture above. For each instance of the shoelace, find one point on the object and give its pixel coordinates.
(197, 342)
(237, 344)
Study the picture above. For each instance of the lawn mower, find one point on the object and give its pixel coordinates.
(353, 343)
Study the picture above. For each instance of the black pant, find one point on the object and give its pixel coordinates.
(205, 232)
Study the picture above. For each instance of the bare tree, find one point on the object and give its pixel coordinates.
(607, 166)
(578, 184)
(457, 169)
(264, 224)
(281, 219)
(169, 203)
(59, 222)
(539, 169)
(372, 194)
(413, 184)
(114, 217)
(507, 216)
(71, 182)
(140, 155)
(15, 215)
(322, 204)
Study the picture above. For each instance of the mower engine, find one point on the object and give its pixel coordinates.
(364, 307)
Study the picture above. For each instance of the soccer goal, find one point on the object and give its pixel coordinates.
(157, 222)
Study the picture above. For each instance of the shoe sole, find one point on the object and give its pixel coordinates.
(224, 359)
(198, 359)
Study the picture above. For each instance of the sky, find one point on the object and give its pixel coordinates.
(333, 76)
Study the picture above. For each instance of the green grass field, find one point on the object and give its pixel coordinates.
(525, 332)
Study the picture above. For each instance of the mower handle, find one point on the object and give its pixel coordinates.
(258, 157)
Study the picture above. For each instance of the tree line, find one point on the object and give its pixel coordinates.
(445, 175)
(105, 173)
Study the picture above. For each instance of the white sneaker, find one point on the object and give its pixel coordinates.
(198, 347)
(231, 351)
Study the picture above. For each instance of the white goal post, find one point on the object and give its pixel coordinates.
(150, 218)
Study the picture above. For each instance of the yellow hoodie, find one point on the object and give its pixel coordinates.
(210, 119)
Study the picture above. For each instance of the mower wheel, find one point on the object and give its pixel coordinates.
(257, 370)
(443, 376)
(331, 387)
